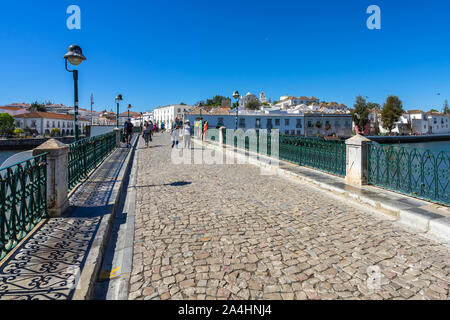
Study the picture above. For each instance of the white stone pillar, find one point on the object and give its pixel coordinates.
(356, 168)
(57, 175)
(222, 133)
(117, 132)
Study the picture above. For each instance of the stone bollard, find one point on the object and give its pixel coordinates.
(57, 175)
(117, 131)
(356, 168)
(222, 133)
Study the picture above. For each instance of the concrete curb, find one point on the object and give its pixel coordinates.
(413, 213)
(121, 245)
(88, 277)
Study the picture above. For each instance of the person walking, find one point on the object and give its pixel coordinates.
(150, 125)
(187, 135)
(200, 128)
(147, 133)
(128, 132)
(175, 132)
(205, 130)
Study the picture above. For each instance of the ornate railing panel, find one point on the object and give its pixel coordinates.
(85, 155)
(23, 192)
(417, 172)
(317, 153)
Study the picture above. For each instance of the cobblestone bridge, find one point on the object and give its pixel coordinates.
(228, 232)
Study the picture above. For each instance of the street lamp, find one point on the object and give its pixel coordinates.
(129, 107)
(236, 95)
(75, 56)
(118, 99)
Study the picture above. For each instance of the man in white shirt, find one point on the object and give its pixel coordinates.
(187, 135)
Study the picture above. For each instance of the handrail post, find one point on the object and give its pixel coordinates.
(356, 165)
(57, 175)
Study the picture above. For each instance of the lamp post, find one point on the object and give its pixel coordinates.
(75, 56)
(236, 95)
(129, 107)
(118, 99)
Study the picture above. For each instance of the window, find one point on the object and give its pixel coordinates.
(299, 123)
(337, 124)
(179, 110)
(277, 122)
(53, 124)
(258, 123)
(269, 123)
(220, 121)
(241, 122)
(48, 124)
(298, 132)
(292, 132)
(33, 123)
(310, 124)
(286, 132)
(286, 122)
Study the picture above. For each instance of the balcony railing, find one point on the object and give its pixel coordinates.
(23, 190)
(85, 155)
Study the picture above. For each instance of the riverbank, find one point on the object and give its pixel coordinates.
(28, 144)
(409, 139)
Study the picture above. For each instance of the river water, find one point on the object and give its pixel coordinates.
(6, 154)
(435, 146)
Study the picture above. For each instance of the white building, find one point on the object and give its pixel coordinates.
(292, 122)
(13, 110)
(290, 101)
(419, 122)
(438, 123)
(168, 114)
(44, 122)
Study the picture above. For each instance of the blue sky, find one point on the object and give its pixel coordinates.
(164, 52)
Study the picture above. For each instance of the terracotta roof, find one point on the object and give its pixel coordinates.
(414, 111)
(25, 105)
(48, 115)
(11, 108)
(132, 114)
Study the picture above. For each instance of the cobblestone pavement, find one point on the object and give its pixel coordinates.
(47, 264)
(227, 232)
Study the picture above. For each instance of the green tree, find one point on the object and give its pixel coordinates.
(446, 109)
(6, 124)
(18, 132)
(253, 105)
(434, 110)
(235, 105)
(182, 104)
(216, 101)
(360, 113)
(55, 132)
(392, 110)
(36, 106)
(373, 105)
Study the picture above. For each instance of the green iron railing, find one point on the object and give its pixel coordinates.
(23, 193)
(86, 154)
(317, 153)
(418, 173)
